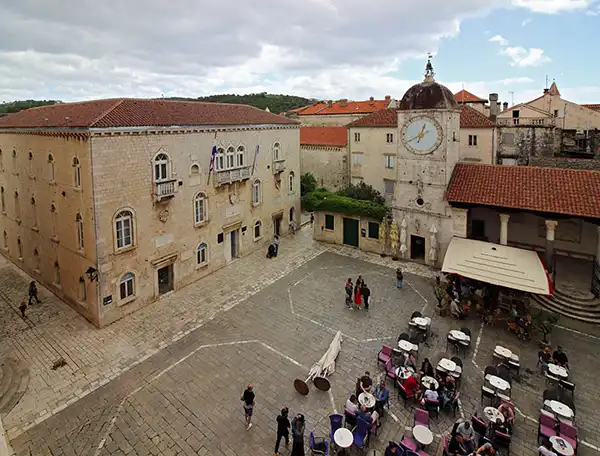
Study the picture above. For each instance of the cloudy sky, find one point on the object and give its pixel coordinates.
(76, 50)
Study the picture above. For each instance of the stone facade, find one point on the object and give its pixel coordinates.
(570, 163)
(134, 226)
(477, 145)
(329, 165)
(341, 229)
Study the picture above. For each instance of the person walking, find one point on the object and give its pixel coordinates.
(399, 278)
(366, 295)
(33, 293)
(22, 308)
(357, 287)
(248, 398)
(276, 244)
(283, 429)
(312, 218)
(298, 435)
(349, 288)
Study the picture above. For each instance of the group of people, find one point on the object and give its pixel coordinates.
(357, 294)
(559, 357)
(444, 393)
(353, 410)
(273, 248)
(32, 294)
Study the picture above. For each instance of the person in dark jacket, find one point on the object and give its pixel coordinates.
(283, 429)
(366, 295)
(399, 278)
(298, 435)
(33, 293)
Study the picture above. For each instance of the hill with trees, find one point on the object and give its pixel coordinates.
(16, 106)
(275, 102)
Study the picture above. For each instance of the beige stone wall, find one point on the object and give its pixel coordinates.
(334, 119)
(483, 151)
(522, 142)
(165, 232)
(329, 165)
(54, 235)
(336, 236)
(571, 116)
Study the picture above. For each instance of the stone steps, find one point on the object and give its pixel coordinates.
(14, 379)
(586, 310)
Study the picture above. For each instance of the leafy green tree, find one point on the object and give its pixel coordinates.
(275, 102)
(16, 106)
(364, 192)
(545, 322)
(308, 183)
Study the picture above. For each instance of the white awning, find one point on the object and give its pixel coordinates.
(501, 265)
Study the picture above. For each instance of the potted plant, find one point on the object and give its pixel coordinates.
(545, 322)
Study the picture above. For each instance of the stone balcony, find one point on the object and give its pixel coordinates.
(231, 175)
(527, 122)
(165, 189)
(278, 166)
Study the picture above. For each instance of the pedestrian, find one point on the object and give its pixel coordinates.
(276, 244)
(23, 307)
(366, 294)
(357, 287)
(312, 218)
(349, 288)
(248, 398)
(439, 292)
(293, 227)
(33, 293)
(298, 435)
(283, 429)
(399, 278)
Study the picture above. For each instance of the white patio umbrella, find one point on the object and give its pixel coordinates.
(322, 368)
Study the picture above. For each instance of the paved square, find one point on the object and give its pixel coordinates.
(186, 398)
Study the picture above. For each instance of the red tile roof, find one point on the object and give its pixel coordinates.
(467, 97)
(551, 190)
(324, 136)
(342, 107)
(127, 112)
(471, 118)
(595, 107)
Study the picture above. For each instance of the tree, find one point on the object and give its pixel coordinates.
(308, 183)
(16, 106)
(364, 192)
(275, 102)
(545, 322)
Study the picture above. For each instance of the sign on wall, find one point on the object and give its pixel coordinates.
(107, 300)
(459, 222)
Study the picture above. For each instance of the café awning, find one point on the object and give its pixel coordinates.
(500, 265)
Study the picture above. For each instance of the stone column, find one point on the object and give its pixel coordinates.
(550, 231)
(504, 228)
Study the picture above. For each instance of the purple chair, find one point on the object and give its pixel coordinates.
(569, 433)
(336, 420)
(421, 417)
(361, 432)
(547, 426)
(422, 453)
(385, 354)
(409, 444)
(432, 407)
(320, 447)
(445, 445)
(411, 453)
(389, 370)
(502, 440)
(350, 419)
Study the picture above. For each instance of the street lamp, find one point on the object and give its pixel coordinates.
(92, 273)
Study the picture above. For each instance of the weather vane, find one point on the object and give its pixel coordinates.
(429, 73)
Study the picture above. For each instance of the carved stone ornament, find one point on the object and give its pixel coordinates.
(163, 216)
(233, 198)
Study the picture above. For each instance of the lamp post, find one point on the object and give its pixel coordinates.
(92, 273)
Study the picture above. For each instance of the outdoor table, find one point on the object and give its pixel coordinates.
(420, 321)
(492, 414)
(557, 370)
(407, 346)
(343, 438)
(503, 352)
(422, 434)
(561, 409)
(459, 335)
(366, 399)
(446, 365)
(457, 372)
(428, 382)
(561, 446)
(498, 383)
(404, 372)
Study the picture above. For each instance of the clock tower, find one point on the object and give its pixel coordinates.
(428, 149)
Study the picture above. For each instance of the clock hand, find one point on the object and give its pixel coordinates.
(421, 135)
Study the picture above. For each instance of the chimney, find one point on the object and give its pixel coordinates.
(493, 106)
(343, 103)
(371, 99)
(505, 106)
(388, 99)
(329, 104)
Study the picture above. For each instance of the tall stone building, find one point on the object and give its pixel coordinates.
(339, 112)
(116, 203)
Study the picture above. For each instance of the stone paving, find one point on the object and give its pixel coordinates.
(185, 398)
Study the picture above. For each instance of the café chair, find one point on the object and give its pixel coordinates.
(385, 354)
(318, 446)
(547, 426)
(335, 420)
(490, 370)
(488, 393)
(502, 440)
(409, 445)
(569, 433)
(361, 433)
(390, 371)
(432, 407)
(402, 393)
(479, 426)
(421, 417)
(350, 419)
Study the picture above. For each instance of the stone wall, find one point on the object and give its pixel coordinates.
(560, 162)
(523, 142)
(329, 165)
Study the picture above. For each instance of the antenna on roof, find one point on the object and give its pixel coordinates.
(546, 81)
(512, 99)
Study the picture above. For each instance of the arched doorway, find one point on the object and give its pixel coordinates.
(291, 214)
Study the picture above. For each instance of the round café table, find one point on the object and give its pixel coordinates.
(404, 372)
(447, 365)
(492, 414)
(420, 321)
(407, 346)
(428, 382)
(561, 446)
(498, 383)
(459, 335)
(557, 370)
(422, 434)
(503, 352)
(366, 399)
(561, 409)
(343, 438)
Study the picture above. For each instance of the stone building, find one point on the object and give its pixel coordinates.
(339, 112)
(115, 203)
(323, 153)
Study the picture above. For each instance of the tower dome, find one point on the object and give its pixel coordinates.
(428, 94)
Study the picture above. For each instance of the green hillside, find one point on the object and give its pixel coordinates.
(276, 103)
(16, 106)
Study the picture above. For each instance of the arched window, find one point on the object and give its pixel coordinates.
(36, 259)
(17, 206)
(162, 167)
(230, 157)
(3, 200)
(220, 159)
(257, 229)
(240, 157)
(256, 196)
(291, 183)
(20, 248)
(82, 290)
(76, 172)
(5, 239)
(200, 208)
(80, 238)
(1, 160)
(54, 216)
(51, 166)
(127, 286)
(202, 254)
(56, 273)
(194, 170)
(14, 156)
(276, 151)
(30, 155)
(124, 229)
(34, 212)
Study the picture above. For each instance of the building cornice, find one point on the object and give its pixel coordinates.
(315, 146)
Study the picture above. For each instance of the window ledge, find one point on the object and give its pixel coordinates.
(77, 189)
(202, 265)
(57, 286)
(124, 250)
(256, 204)
(20, 259)
(201, 224)
(278, 160)
(31, 177)
(14, 173)
(35, 228)
(3, 212)
(55, 239)
(81, 252)
(37, 271)
(256, 239)
(127, 300)
(52, 182)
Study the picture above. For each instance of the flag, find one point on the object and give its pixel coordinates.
(255, 158)
(213, 156)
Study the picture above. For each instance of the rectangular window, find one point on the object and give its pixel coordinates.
(389, 161)
(388, 187)
(373, 230)
(256, 193)
(357, 159)
(356, 137)
(329, 222)
(199, 210)
(478, 229)
(472, 140)
(389, 138)
(124, 233)
(556, 113)
(126, 288)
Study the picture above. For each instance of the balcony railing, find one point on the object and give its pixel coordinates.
(278, 166)
(232, 175)
(165, 189)
(527, 122)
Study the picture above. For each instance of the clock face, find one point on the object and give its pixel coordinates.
(421, 135)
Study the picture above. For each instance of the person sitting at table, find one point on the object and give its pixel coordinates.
(545, 449)
(382, 396)
(372, 419)
(465, 430)
(545, 358)
(560, 358)
(498, 426)
(456, 446)
(352, 404)
(509, 415)
(364, 384)
(411, 385)
(455, 310)
(391, 449)
(487, 449)
(430, 394)
(427, 368)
